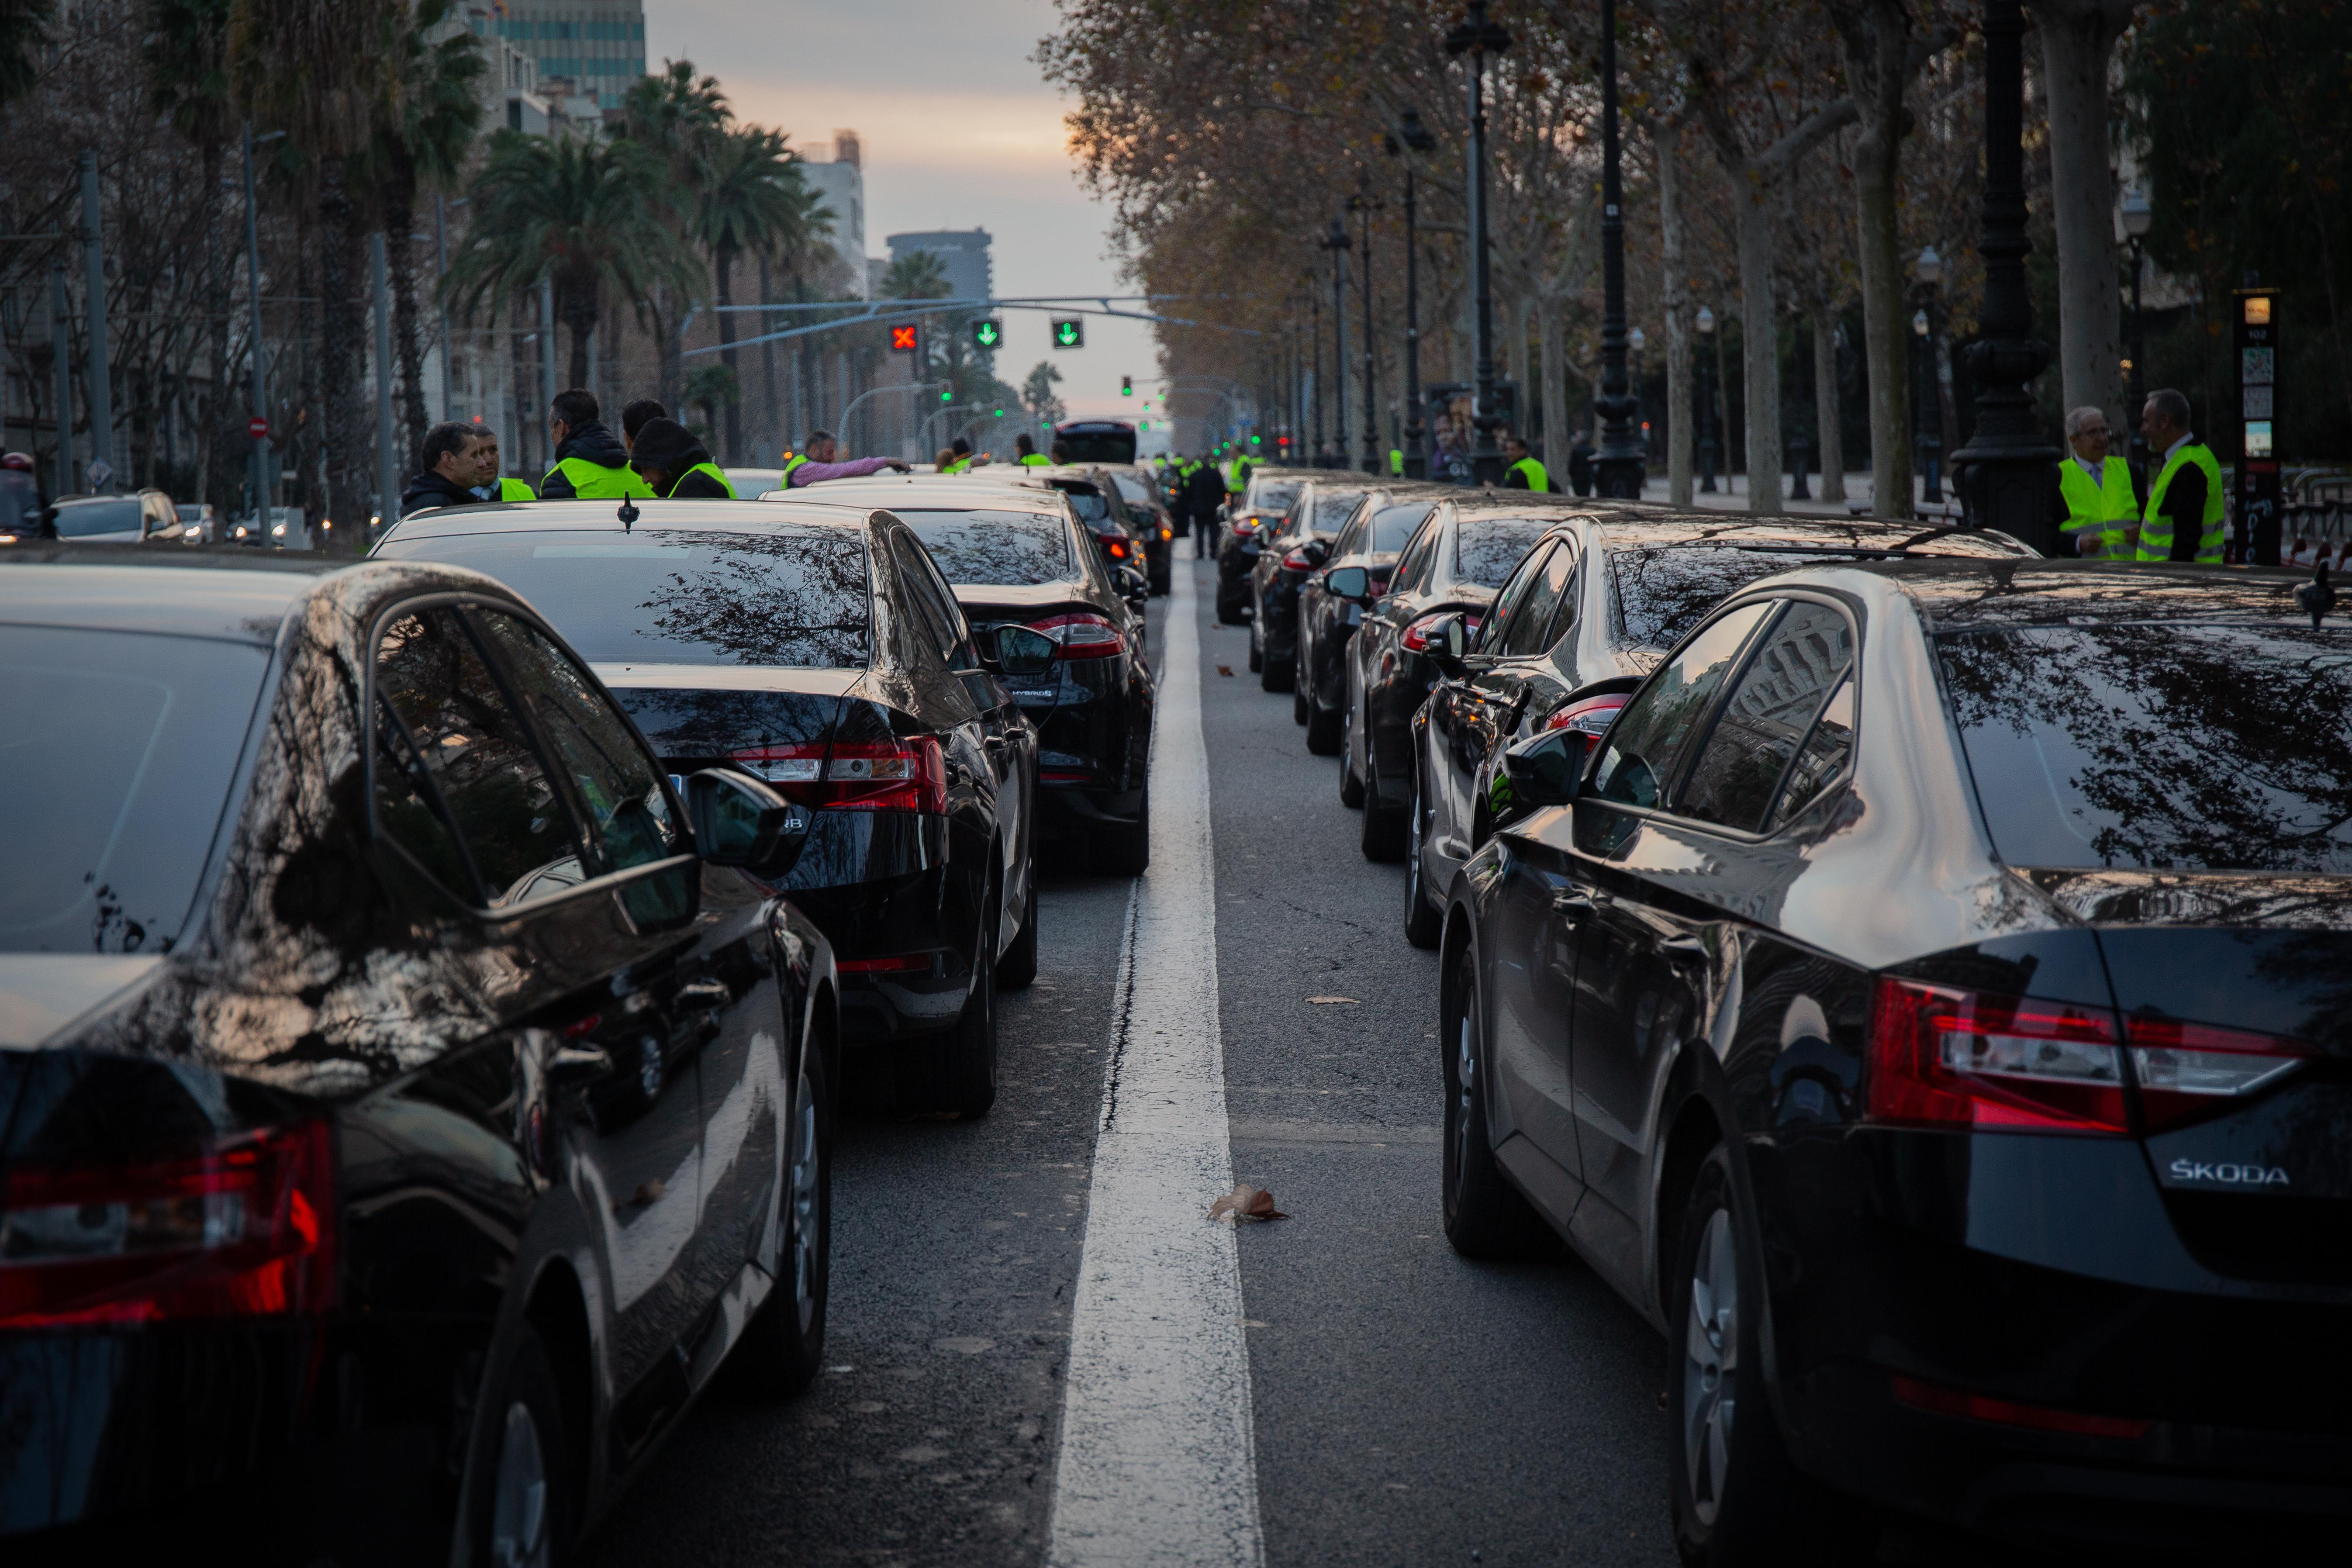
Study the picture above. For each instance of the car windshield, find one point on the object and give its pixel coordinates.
(2158, 746)
(1274, 496)
(1485, 550)
(82, 519)
(1392, 525)
(1658, 594)
(993, 548)
(118, 749)
(793, 596)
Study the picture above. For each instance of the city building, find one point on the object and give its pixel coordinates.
(509, 87)
(599, 45)
(962, 251)
(836, 171)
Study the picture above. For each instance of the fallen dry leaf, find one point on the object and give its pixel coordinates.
(1335, 1001)
(1245, 1202)
(1225, 670)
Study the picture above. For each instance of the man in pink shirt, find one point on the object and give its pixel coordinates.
(815, 466)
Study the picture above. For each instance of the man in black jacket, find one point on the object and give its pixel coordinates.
(676, 465)
(1205, 493)
(450, 470)
(590, 465)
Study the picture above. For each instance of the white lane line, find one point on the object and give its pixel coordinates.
(1159, 1462)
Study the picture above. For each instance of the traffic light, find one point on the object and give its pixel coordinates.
(1069, 334)
(1127, 387)
(907, 340)
(1252, 440)
(987, 333)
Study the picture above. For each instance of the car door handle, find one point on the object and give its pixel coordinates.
(703, 995)
(1685, 950)
(1575, 902)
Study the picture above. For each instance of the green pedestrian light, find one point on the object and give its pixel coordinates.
(948, 397)
(987, 333)
(1069, 334)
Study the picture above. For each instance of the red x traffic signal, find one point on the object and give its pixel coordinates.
(905, 339)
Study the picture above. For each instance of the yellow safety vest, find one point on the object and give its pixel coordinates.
(2156, 528)
(1036, 460)
(2095, 513)
(784, 479)
(716, 472)
(1536, 479)
(1396, 462)
(515, 490)
(594, 481)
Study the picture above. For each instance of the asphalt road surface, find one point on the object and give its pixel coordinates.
(1333, 1388)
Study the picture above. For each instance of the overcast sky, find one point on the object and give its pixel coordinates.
(960, 131)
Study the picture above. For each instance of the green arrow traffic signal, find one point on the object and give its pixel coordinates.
(987, 334)
(1069, 334)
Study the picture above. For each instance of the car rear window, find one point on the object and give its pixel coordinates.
(118, 749)
(994, 549)
(1087, 501)
(1393, 525)
(1272, 497)
(1485, 550)
(788, 596)
(1658, 594)
(83, 518)
(1131, 490)
(1332, 512)
(2159, 746)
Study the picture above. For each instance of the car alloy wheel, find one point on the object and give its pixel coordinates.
(1711, 1373)
(519, 1536)
(807, 1231)
(1422, 925)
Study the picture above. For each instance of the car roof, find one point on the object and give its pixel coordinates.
(1963, 595)
(238, 594)
(928, 492)
(575, 516)
(1630, 528)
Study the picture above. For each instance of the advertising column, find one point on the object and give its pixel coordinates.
(2254, 541)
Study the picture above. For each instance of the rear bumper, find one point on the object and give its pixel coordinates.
(910, 921)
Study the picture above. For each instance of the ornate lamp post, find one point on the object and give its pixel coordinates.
(1706, 324)
(1635, 341)
(1618, 469)
(1478, 37)
(1930, 270)
(2004, 470)
(1315, 312)
(2137, 216)
(1335, 240)
(1414, 136)
(1364, 207)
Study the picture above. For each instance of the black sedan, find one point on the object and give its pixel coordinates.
(1263, 506)
(1126, 538)
(815, 647)
(1588, 613)
(1929, 1009)
(1368, 544)
(1452, 566)
(1148, 516)
(409, 1100)
(1025, 562)
(1294, 551)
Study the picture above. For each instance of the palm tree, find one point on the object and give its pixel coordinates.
(752, 198)
(424, 140)
(23, 28)
(327, 75)
(679, 117)
(585, 216)
(186, 58)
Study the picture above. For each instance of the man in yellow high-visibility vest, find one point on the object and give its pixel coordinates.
(2183, 520)
(2102, 514)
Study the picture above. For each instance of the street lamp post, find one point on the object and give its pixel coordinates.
(1315, 376)
(1336, 242)
(1364, 207)
(2004, 470)
(1618, 469)
(1637, 340)
(1479, 37)
(1930, 270)
(1706, 324)
(1415, 136)
(1800, 450)
(2137, 216)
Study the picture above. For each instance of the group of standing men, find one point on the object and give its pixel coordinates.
(2181, 519)
(1196, 489)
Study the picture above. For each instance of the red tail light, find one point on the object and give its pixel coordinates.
(1082, 635)
(1946, 1057)
(908, 775)
(1417, 634)
(243, 1229)
(2009, 1412)
(1117, 547)
(1299, 560)
(2188, 1070)
(1591, 717)
(1245, 528)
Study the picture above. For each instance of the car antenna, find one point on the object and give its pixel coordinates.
(628, 514)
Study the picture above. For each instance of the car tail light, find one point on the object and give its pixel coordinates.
(242, 1228)
(1245, 528)
(2186, 1070)
(1299, 560)
(2009, 1412)
(908, 775)
(1417, 634)
(1117, 548)
(1166, 534)
(1946, 1057)
(897, 963)
(1591, 717)
(1082, 635)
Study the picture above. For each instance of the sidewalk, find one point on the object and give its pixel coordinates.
(1731, 495)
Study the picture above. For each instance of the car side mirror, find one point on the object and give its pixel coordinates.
(1349, 583)
(1316, 551)
(1446, 647)
(1543, 770)
(1022, 650)
(1132, 586)
(738, 821)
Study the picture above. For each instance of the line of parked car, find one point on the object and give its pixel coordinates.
(1904, 968)
(426, 982)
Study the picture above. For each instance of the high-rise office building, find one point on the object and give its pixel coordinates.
(599, 44)
(963, 252)
(835, 172)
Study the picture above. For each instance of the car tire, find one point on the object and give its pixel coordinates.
(1485, 1215)
(1352, 783)
(1256, 654)
(954, 1073)
(1423, 924)
(1018, 967)
(520, 1491)
(1383, 835)
(1322, 724)
(1277, 673)
(783, 1344)
(1124, 849)
(1738, 1499)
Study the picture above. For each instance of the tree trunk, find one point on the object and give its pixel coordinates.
(343, 330)
(722, 264)
(1554, 356)
(2078, 40)
(1759, 356)
(1883, 326)
(770, 422)
(407, 324)
(577, 309)
(1674, 300)
(1830, 440)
